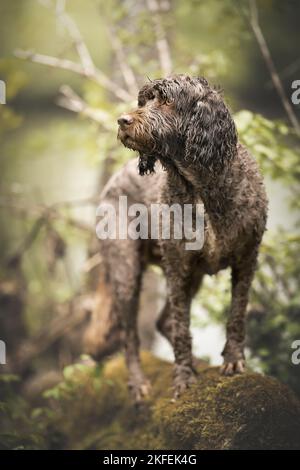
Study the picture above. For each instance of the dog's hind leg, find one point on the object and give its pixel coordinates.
(102, 336)
(125, 266)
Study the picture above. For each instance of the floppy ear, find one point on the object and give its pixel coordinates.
(211, 137)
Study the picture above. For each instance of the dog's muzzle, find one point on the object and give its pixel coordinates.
(125, 120)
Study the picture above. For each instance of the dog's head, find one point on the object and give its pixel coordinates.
(179, 120)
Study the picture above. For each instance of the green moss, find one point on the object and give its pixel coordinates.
(247, 411)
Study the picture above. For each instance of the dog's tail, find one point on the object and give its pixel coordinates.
(103, 335)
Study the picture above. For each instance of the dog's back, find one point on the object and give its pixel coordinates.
(128, 182)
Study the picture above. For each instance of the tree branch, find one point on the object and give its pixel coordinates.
(286, 72)
(254, 22)
(68, 99)
(71, 315)
(126, 70)
(50, 61)
(48, 213)
(69, 24)
(162, 44)
(96, 76)
(43, 215)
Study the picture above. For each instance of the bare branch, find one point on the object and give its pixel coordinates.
(68, 99)
(28, 241)
(44, 215)
(91, 200)
(71, 315)
(162, 44)
(97, 76)
(50, 61)
(126, 70)
(72, 28)
(286, 72)
(254, 22)
(86, 67)
(48, 213)
(92, 262)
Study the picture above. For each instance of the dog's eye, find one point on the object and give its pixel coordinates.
(143, 101)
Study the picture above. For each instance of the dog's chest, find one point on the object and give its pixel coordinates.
(215, 254)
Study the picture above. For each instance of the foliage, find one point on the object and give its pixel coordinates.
(275, 320)
(274, 145)
(16, 428)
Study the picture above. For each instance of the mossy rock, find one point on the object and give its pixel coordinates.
(248, 411)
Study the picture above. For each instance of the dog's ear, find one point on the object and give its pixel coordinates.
(211, 137)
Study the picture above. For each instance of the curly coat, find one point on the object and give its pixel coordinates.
(188, 153)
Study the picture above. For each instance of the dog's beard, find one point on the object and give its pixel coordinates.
(146, 164)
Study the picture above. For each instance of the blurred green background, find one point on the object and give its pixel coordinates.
(54, 162)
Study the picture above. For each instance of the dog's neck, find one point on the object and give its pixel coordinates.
(216, 189)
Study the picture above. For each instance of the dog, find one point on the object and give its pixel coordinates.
(188, 153)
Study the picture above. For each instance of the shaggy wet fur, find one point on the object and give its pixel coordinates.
(188, 153)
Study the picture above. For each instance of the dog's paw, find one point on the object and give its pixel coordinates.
(234, 367)
(139, 389)
(182, 382)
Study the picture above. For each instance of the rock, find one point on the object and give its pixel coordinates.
(248, 411)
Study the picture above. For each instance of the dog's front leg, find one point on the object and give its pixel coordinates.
(180, 301)
(233, 353)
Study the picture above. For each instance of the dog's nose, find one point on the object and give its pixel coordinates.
(125, 120)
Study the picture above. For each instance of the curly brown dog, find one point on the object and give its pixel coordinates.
(188, 153)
